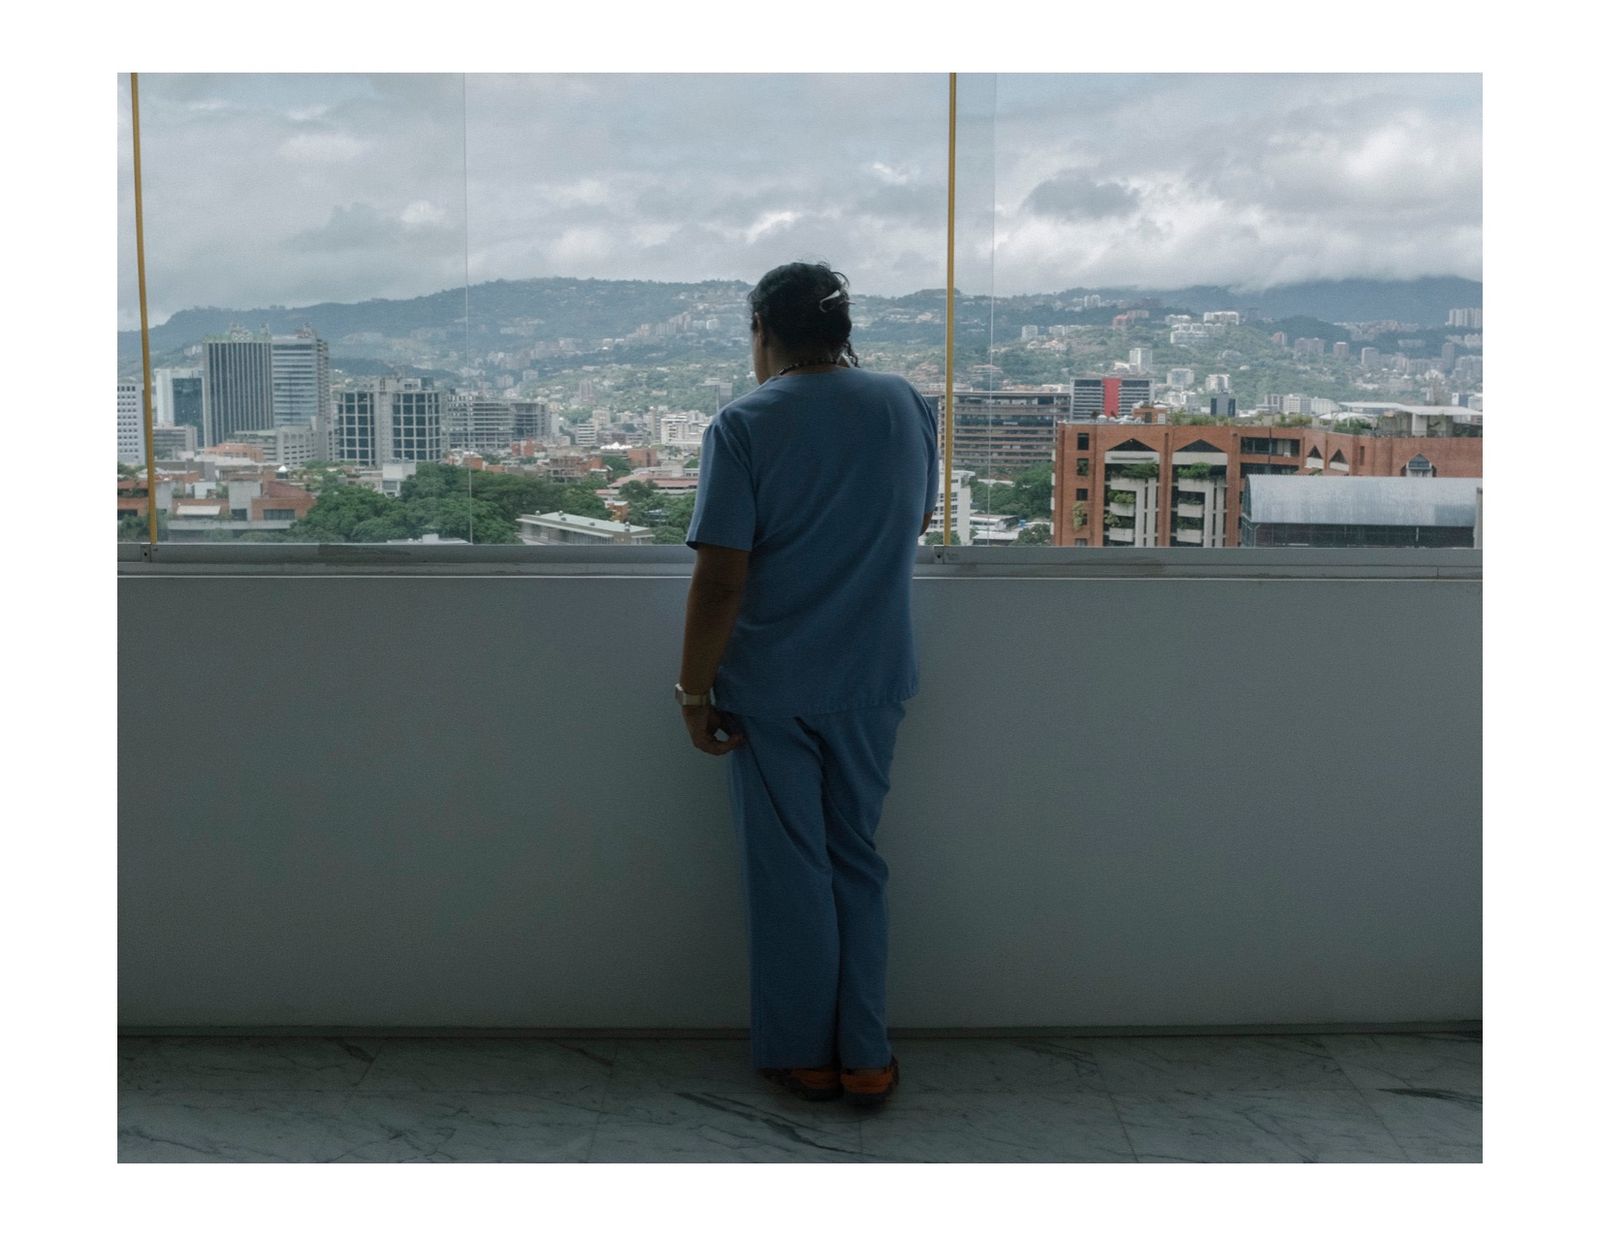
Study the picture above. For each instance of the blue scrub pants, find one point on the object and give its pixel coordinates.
(806, 793)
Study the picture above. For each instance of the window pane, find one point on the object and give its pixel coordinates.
(619, 222)
(1231, 267)
(304, 239)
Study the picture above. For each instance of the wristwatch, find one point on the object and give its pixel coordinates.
(690, 701)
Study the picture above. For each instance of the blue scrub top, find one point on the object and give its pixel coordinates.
(824, 478)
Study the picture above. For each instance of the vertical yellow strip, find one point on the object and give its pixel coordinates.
(950, 316)
(144, 315)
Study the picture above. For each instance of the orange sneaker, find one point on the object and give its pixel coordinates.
(813, 1084)
(870, 1087)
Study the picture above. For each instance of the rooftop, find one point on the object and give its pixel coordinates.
(1390, 501)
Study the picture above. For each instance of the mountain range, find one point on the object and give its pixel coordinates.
(510, 313)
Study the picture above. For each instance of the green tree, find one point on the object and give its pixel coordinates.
(1036, 534)
(1030, 495)
(674, 524)
(131, 527)
(387, 527)
(339, 509)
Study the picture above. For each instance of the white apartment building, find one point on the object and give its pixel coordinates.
(1180, 377)
(683, 429)
(395, 474)
(1221, 317)
(1218, 382)
(961, 495)
(130, 421)
(1188, 332)
(293, 445)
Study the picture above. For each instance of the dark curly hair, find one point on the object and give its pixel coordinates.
(806, 307)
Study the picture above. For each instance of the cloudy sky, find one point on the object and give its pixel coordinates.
(297, 188)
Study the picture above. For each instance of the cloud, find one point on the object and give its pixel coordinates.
(1073, 194)
(297, 188)
(321, 148)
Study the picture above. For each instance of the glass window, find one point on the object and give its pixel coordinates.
(503, 308)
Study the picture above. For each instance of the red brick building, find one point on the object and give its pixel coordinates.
(1147, 484)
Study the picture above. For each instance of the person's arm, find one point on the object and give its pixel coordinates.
(716, 593)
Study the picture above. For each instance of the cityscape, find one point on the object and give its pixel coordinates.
(1093, 418)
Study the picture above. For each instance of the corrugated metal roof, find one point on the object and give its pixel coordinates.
(1393, 501)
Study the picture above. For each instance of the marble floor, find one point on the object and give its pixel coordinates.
(1257, 1098)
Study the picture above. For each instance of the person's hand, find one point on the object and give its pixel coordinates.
(703, 722)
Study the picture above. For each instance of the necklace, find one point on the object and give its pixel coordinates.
(827, 360)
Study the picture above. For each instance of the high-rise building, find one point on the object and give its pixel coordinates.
(386, 420)
(130, 421)
(478, 422)
(1180, 377)
(417, 422)
(1218, 382)
(179, 399)
(1113, 396)
(999, 430)
(1341, 350)
(1224, 405)
(1470, 318)
(1370, 358)
(237, 390)
(1142, 359)
(360, 425)
(300, 379)
(530, 418)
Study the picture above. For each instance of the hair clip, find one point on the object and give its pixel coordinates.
(822, 305)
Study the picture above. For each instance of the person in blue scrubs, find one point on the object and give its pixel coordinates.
(814, 491)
